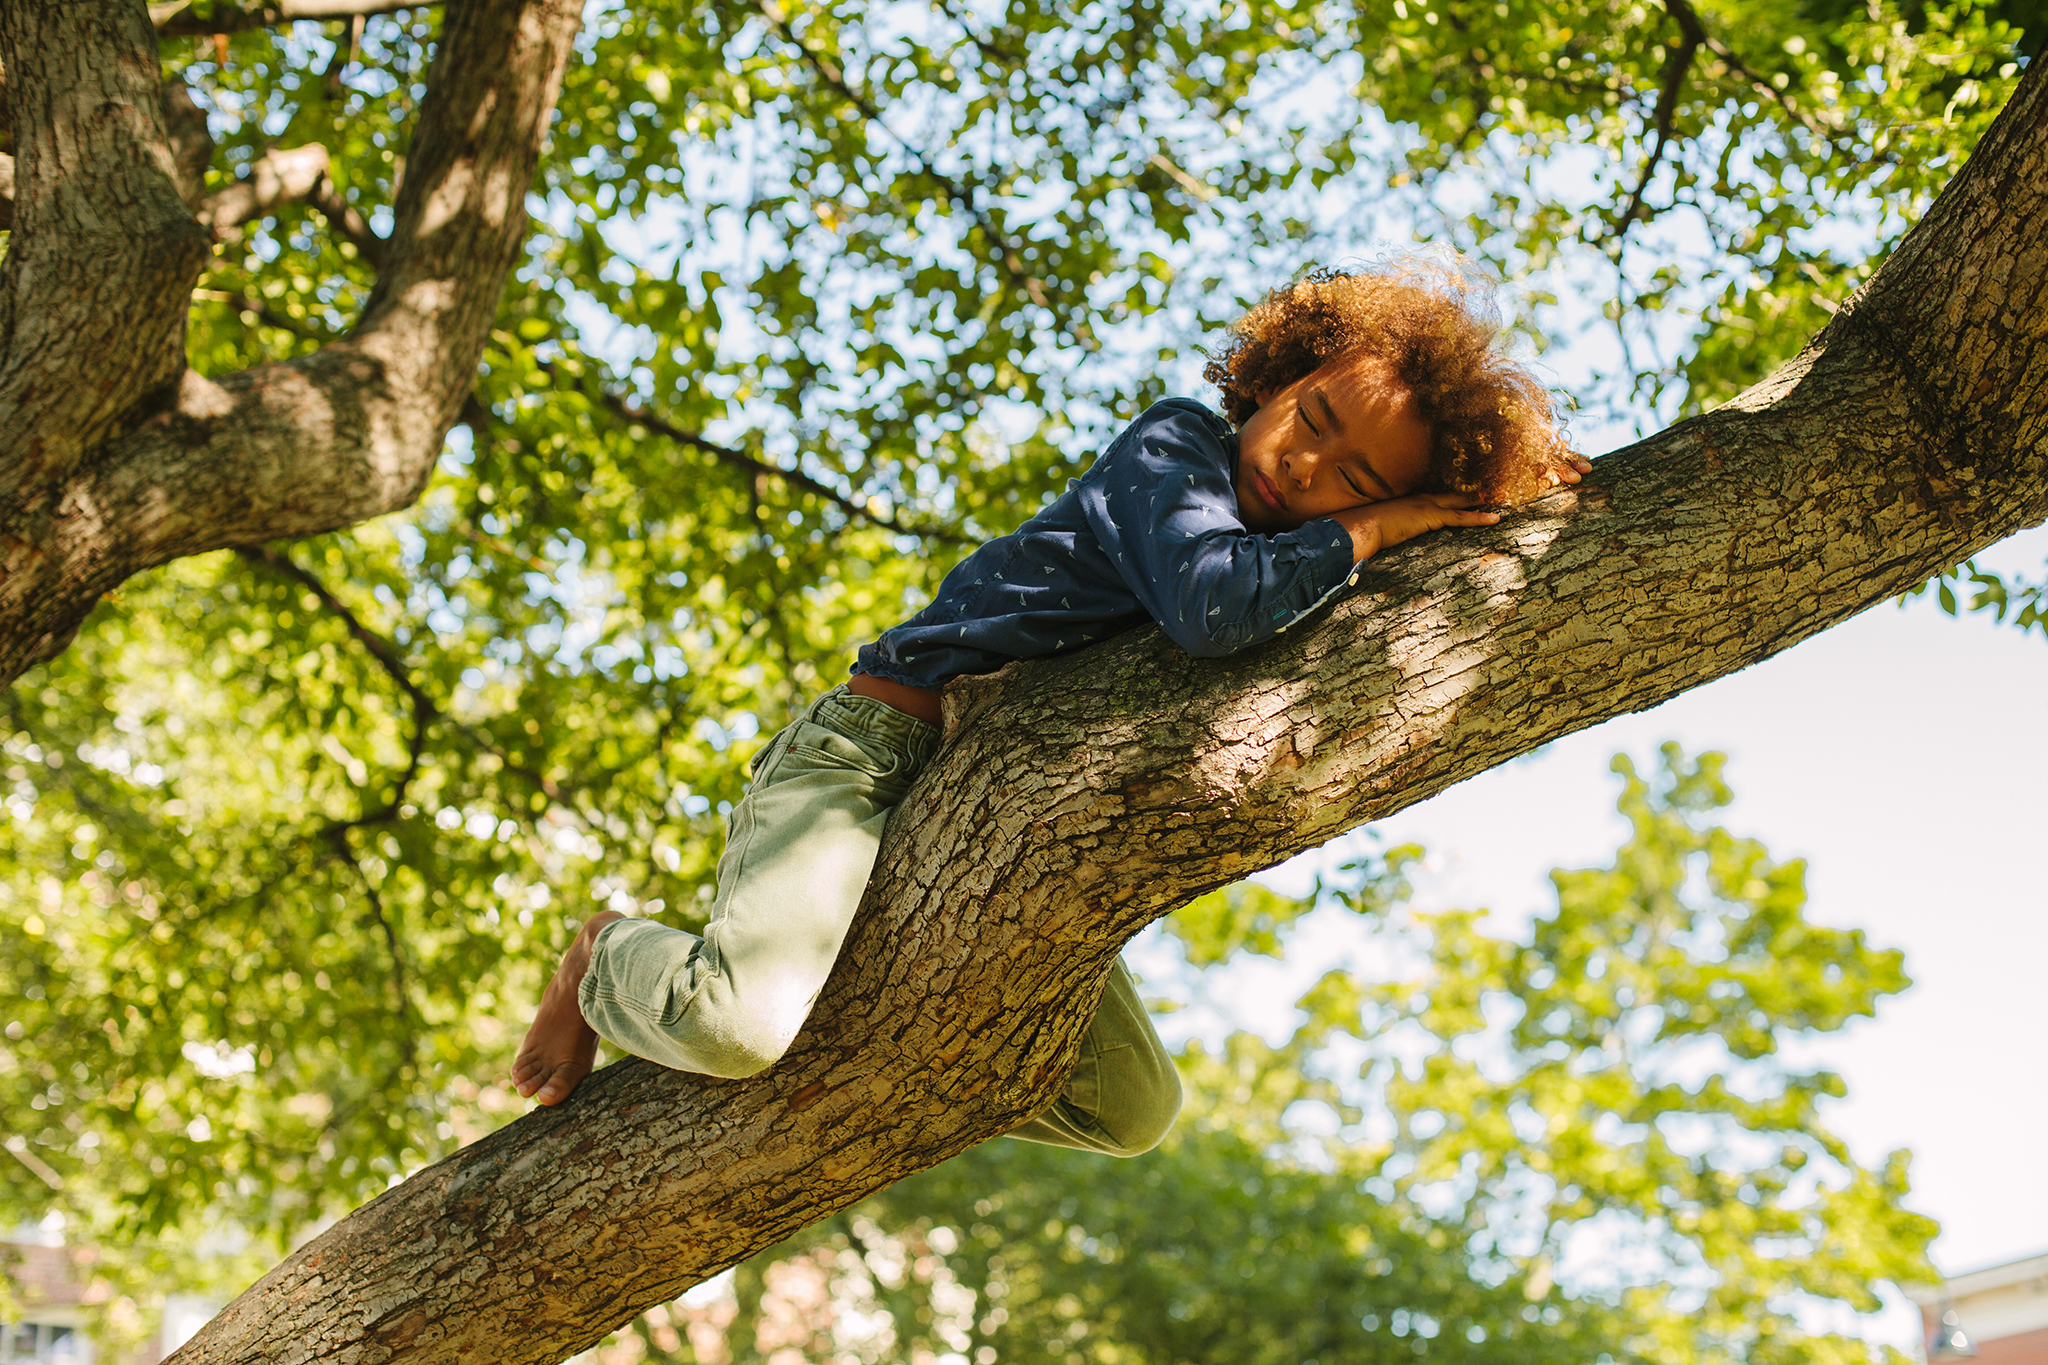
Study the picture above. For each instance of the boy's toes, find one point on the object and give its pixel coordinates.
(558, 1085)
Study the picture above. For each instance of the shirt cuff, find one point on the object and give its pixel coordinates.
(1331, 569)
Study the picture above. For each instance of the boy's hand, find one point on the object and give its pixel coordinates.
(1382, 525)
(1574, 468)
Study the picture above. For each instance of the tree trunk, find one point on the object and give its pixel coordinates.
(114, 457)
(1080, 797)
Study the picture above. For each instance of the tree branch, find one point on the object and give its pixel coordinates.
(739, 459)
(829, 72)
(176, 20)
(1693, 36)
(320, 441)
(281, 565)
(102, 257)
(1079, 797)
(337, 840)
(425, 709)
(250, 303)
(276, 177)
(189, 140)
(282, 176)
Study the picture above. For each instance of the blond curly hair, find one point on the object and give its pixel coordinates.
(1494, 430)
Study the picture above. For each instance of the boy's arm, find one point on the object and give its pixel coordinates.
(1383, 525)
(1165, 511)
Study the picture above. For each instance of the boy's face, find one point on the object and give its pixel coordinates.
(1344, 436)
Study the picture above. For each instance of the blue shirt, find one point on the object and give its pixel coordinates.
(1150, 532)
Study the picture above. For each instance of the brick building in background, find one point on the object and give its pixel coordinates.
(53, 1289)
(57, 1294)
(1994, 1316)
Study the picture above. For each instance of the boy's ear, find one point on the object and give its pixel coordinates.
(1261, 397)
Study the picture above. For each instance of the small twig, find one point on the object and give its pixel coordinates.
(424, 709)
(341, 216)
(1763, 85)
(337, 838)
(250, 303)
(1667, 103)
(739, 459)
(1007, 253)
(380, 649)
(1180, 177)
(18, 1146)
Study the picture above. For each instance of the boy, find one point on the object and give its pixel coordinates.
(1370, 407)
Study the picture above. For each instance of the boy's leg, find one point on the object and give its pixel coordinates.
(1123, 1093)
(800, 848)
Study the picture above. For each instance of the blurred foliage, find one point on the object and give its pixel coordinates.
(818, 296)
(1579, 1145)
(2021, 601)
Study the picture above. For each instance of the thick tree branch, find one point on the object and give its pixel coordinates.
(186, 136)
(176, 20)
(103, 254)
(321, 441)
(1077, 798)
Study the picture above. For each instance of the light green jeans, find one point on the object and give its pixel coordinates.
(800, 847)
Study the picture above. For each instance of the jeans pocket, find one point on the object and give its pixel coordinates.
(826, 747)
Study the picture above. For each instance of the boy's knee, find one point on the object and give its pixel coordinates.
(732, 1045)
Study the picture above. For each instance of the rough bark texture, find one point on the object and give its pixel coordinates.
(113, 456)
(1080, 797)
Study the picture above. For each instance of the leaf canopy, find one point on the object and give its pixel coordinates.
(817, 297)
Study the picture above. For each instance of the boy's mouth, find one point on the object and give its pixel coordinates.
(1268, 491)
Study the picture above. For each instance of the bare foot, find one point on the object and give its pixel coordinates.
(560, 1047)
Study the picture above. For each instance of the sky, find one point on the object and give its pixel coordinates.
(1902, 754)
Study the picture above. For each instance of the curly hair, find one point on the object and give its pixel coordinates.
(1494, 430)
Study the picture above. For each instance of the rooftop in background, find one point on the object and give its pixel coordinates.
(2002, 1310)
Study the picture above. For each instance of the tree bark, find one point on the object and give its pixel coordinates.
(1078, 798)
(113, 456)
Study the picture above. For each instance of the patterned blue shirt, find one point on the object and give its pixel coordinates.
(1150, 532)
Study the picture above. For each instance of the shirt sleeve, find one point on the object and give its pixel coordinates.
(1165, 512)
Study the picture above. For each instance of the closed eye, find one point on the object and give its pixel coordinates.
(1306, 420)
(1351, 480)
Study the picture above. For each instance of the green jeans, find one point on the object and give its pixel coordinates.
(799, 850)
